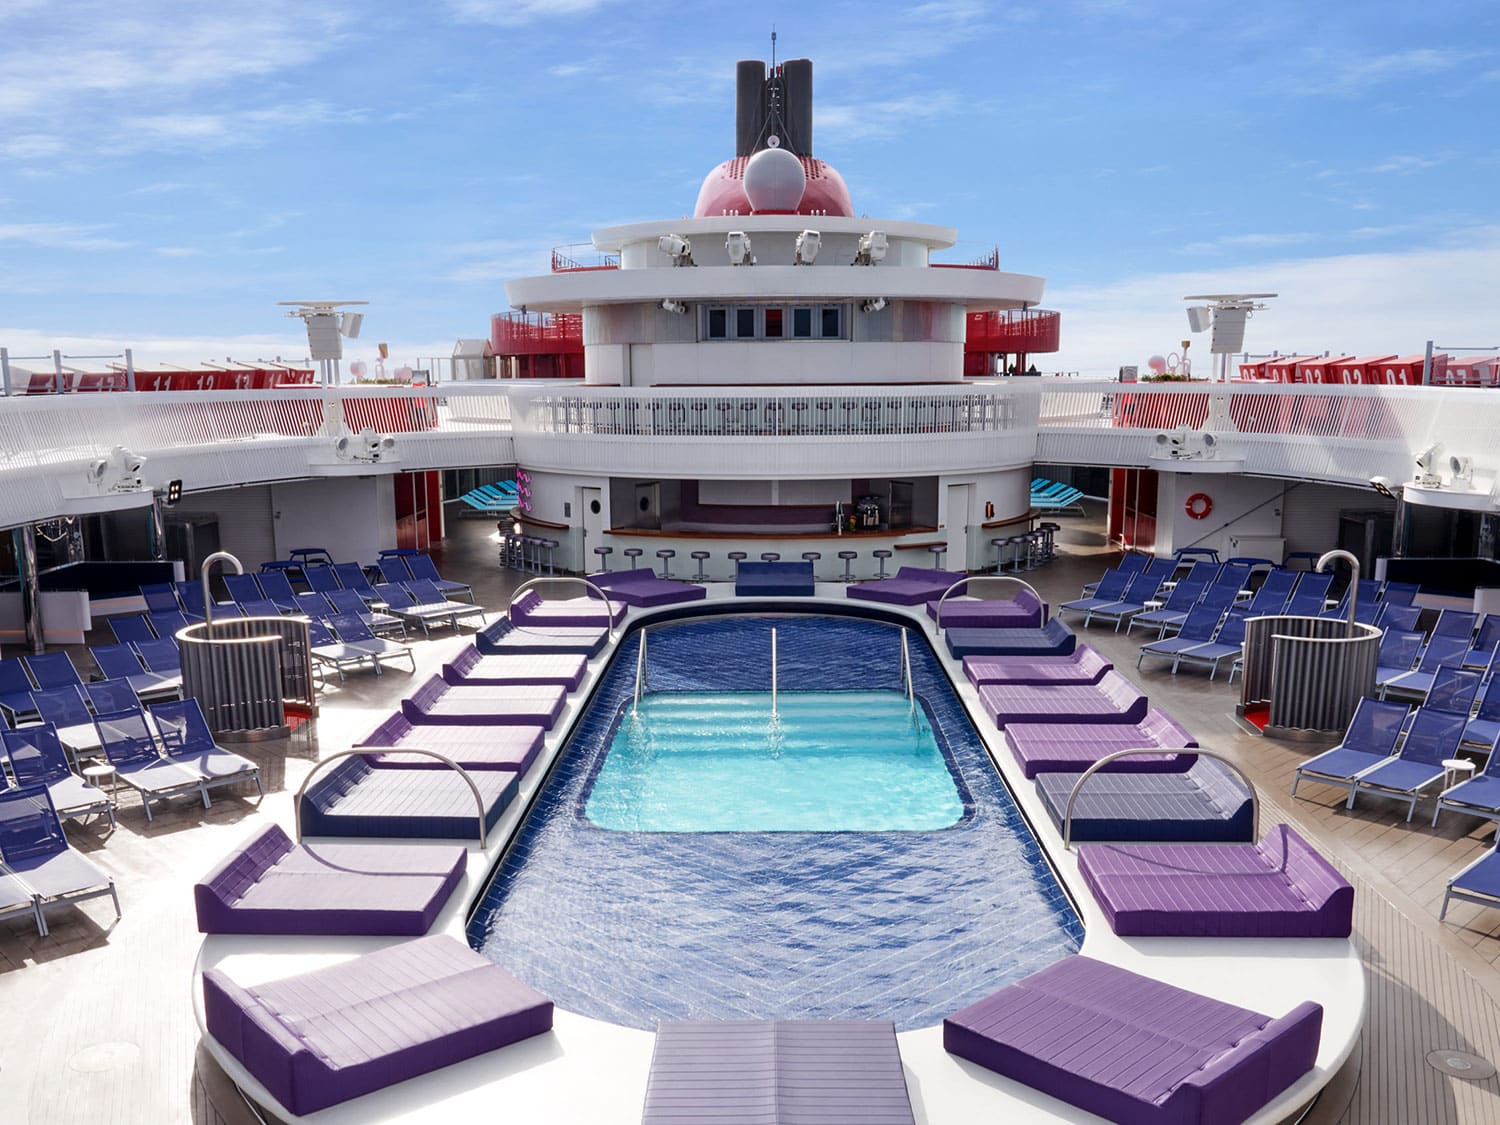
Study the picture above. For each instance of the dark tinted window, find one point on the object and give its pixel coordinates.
(718, 324)
(744, 323)
(802, 323)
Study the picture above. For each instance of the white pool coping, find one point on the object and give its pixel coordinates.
(588, 1070)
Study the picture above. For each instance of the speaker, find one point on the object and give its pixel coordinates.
(1199, 318)
(349, 324)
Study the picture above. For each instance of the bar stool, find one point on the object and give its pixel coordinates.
(1035, 541)
(770, 556)
(550, 546)
(848, 557)
(1001, 544)
(737, 557)
(1049, 545)
(632, 553)
(882, 555)
(937, 550)
(666, 554)
(604, 553)
(700, 557)
(812, 557)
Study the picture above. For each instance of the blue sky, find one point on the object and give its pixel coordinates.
(168, 171)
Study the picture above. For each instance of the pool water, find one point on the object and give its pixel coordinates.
(858, 761)
(635, 926)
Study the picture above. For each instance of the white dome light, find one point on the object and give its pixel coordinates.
(774, 180)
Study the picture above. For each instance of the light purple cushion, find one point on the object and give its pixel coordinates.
(531, 609)
(1072, 747)
(1134, 1050)
(498, 704)
(1084, 665)
(911, 585)
(471, 666)
(641, 587)
(1022, 611)
(270, 886)
(479, 746)
(1114, 699)
(323, 1037)
(1279, 887)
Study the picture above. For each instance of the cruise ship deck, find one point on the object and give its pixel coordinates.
(100, 1027)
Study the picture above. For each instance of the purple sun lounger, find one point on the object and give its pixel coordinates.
(530, 609)
(1114, 699)
(471, 666)
(503, 636)
(355, 798)
(1023, 611)
(911, 585)
(1052, 639)
(1084, 665)
(474, 747)
(643, 588)
(268, 885)
(1203, 804)
(749, 1072)
(1073, 747)
(1277, 888)
(499, 704)
(1135, 1050)
(323, 1037)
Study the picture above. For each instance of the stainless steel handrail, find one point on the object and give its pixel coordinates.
(484, 831)
(1327, 561)
(609, 606)
(938, 624)
(208, 601)
(1195, 750)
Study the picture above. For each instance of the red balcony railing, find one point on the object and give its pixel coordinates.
(1014, 331)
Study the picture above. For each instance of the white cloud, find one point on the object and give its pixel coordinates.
(500, 259)
(1246, 241)
(881, 119)
(178, 251)
(513, 13)
(31, 146)
(1404, 165)
(1356, 303)
(59, 236)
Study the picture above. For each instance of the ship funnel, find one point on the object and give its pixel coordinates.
(775, 104)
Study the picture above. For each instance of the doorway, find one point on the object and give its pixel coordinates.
(960, 498)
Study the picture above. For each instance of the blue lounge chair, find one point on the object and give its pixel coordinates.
(1478, 796)
(393, 569)
(355, 634)
(1197, 628)
(243, 588)
(15, 691)
(1478, 883)
(70, 716)
(185, 737)
(1234, 576)
(314, 605)
(352, 576)
(1456, 623)
(34, 850)
(1439, 651)
(1400, 593)
(111, 695)
(422, 567)
(1371, 739)
(1482, 647)
(320, 579)
(1484, 727)
(132, 628)
(1271, 597)
(1173, 613)
(160, 656)
(1108, 589)
(1402, 618)
(428, 594)
(348, 602)
(1453, 690)
(398, 600)
(263, 607)
(190, 597)
(161, 597)
(168, 624)
(1227, 644)
(1129, 564)
(1399, 650)
(275, 586)
(1431, 736)
(52, 670)
(1309, 597)
(120, 662)
(37, 757)
(1141, 589)
(131, 748)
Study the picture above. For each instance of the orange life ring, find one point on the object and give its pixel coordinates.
(1199, 504)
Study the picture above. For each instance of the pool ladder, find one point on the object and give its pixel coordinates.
(911, 696)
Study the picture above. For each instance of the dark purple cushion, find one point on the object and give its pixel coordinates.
(1132, 1049)
(1114, 699)
(1052, 639)
(642, 587)
(1073, 747)
(504, 637)
(323, 1037)
(269, 886)
(1280, 887)
(1205, 803)
(1023, 611)
(911, 585)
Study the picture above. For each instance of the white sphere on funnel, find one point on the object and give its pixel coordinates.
(774, 180)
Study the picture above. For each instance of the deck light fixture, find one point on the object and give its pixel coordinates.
(1427, 462)
(1385, 486)
(738, 247)
(679, 249)
(673, 306)
(1462, 469)
(873, 305)
(809, 242)
(872, 248)
(119, 472)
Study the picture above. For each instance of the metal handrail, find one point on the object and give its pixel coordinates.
(208, 601)
(1327, 561)
(609, 606)
(938, 623)
(484, 830)
(1194, 750)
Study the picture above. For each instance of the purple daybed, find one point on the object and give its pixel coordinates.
(531, 609)
(643, 588)
(476, 746)
(1114, 699)
(504, 636)
(1052, 639)
(1202, 804)
(268, 885)
(1279, 887)
(356, 798)
(489, 705)
(1023, 611)
(1132, 1049)
(911, 585)
(323, 1037)
(1073, 747)
(472, 667)
(1084, 665)
(749, 1072)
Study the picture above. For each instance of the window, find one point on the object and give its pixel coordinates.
(802, 323)
(830, 322)
(718, 324)
(744, 323)
(773, 323)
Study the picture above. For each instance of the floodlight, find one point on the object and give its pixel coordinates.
(1385, 486)
(872, 248)
(349, 323)
(1209, 441)
(1163, 439)
(1462, 468)
(673, 306)
(1428, 458)
(809, 242)
(679, 249)
(1199, 318)
(873, 305)
(96, 471)
(738, 247)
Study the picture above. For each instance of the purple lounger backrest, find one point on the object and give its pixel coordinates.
(426, 695)
(1316, 878)
(236, 873)
(1167, 730)
(1090, 661)
(1120, 691)
(388, 733)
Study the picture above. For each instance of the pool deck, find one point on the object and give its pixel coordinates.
(101, 1027)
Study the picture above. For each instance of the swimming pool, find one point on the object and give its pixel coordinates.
(826, 761)
(637, 926)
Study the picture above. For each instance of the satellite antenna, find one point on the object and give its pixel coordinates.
(326, 327)
(1227, 313)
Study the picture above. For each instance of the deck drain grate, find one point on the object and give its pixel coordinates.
(1461, 1064)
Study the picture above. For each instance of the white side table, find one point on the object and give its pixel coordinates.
(96, 775)
(1456, 770)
